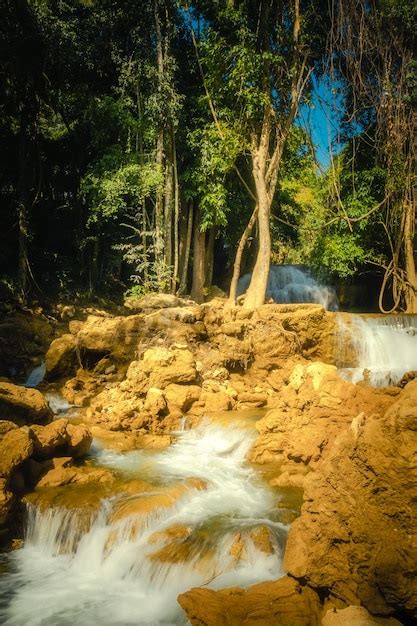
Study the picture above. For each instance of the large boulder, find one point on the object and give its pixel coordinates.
(181, 397)
(15, 447)
(60, 438)
(118, 336)
(154, 301)
(23, 406)
(313, 407)
(61, 358)
(279, 603)
(357, 534)
(160, 367)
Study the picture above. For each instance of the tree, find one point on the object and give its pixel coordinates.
(372, 48)
(256, 61)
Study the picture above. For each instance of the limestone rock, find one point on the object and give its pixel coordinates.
(181, 397)
(60, 438)
(357, 534)
(280, 603)
(6, 426)
(81, 389)
(312, 409)
(59, 476)
(15, 448)
(99, 336)
(160, 367)
(79, 440)
(155, 401)
(155, 301)
(356, 616)
(23, 406)
(215, 400)
(61, 359)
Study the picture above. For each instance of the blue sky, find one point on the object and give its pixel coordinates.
(322, 119)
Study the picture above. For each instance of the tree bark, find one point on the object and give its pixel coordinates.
(199, 265)
(209, 261)
(176, 215)
(238, 258)
(256, 293)
(159, 244)
(187, 248)
(410, 265)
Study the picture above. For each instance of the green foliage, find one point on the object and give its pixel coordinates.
(112, 192)
(217, 150)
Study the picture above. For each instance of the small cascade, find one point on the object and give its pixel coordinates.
(58, 404)
(289, 284)
(119, 569)
(378, 349)
(36, 376)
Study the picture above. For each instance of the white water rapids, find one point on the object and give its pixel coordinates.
(291, 284)
(385, 348)
(106, 575)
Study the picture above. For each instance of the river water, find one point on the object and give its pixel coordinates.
(130, 561)
(384, 348)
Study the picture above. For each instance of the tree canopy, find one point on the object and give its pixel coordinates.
(158, 146)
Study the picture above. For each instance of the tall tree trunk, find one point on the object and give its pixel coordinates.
(255, 295)
(187, 248)
(159, 229)
(176, 214)
(199, 265)
(410, 265)
(209, 261)
(238, 258)
(168, 211)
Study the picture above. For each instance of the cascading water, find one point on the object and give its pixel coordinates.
(289, 284)
(36, 376)
(385, 348)
(106, 570)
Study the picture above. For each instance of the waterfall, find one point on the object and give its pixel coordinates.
(103, 569)
(384, 348)
(290, 284)
(36, 376)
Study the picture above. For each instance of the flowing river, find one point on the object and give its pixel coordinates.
(126, 564)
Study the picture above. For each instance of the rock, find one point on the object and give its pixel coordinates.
(311, 410)
(357, 534)
(61, 358)
(215, 400)
(6, 426)
(81, 389)
(155, 301)
(59, 476)
(60, 439)
(160, 367)
(23, 406)
(155, 402)
(6, 501)
(15, 447)
(280, 603)
(79, 440)
(118, 336)
(24, 339)
(356, 616)
(125, 441)
(181, 397)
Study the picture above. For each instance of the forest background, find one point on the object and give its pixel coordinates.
(165, 146)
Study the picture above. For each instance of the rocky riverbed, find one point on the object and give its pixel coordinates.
(208, 503)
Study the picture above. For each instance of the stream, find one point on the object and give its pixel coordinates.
(138, 551)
